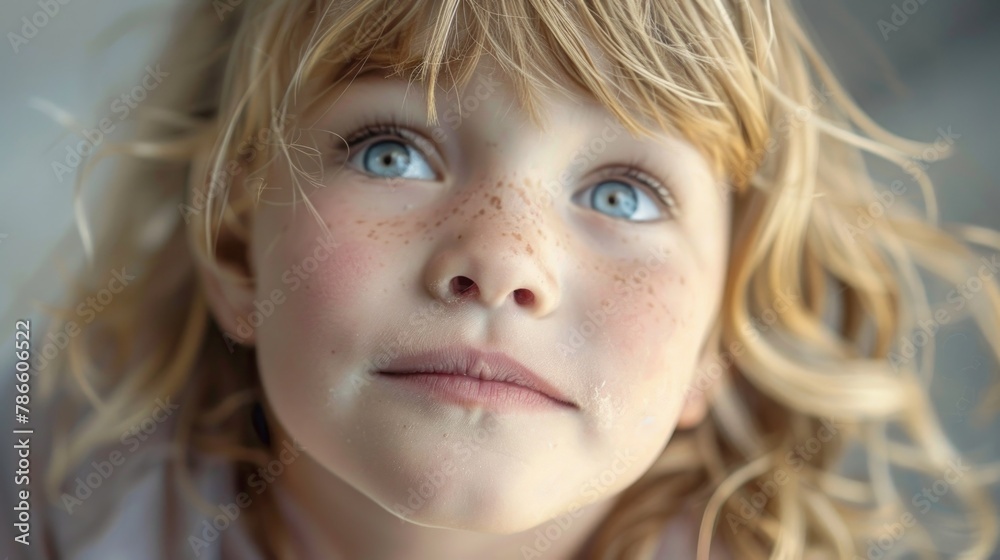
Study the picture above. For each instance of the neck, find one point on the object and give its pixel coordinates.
(328, 518)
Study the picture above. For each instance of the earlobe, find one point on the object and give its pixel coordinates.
(229, 294)
(694, 409)
(695, 406)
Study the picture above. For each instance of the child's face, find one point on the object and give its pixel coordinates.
(580, 274)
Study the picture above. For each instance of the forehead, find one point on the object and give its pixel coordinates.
(489, 86)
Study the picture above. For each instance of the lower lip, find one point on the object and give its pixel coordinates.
(465, 390)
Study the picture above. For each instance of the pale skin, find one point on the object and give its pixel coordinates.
(499, 204)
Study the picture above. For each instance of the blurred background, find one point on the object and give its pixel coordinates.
(918, 67)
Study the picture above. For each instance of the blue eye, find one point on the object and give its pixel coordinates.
(394, 160)
(621, 200)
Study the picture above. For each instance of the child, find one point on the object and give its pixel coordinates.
(372, 301)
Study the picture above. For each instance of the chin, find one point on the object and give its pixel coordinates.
(472, 509)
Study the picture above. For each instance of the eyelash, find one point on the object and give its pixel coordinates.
(391, 127)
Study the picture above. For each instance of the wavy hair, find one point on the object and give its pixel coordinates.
(741, 81)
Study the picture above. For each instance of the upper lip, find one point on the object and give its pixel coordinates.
(487, 366)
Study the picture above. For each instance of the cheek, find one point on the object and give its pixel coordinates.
(647, 347)
(319, 275)
(647, 312)
(343, 276)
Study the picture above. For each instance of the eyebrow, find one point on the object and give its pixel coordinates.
(663, 182)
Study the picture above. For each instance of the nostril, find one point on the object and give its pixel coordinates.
(524, 297)
(461, 284)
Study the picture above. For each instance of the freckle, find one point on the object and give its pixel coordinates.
(517, 236)
(360, 222)
(650, 290)
(454, 210)
(407, 242)
(460, 236)
(438, 223)
(530, 250)
(495, 202)
(380, 223)
(481, 212)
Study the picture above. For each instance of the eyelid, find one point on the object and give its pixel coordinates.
(663, 193)
(373, 130)
(392, 127)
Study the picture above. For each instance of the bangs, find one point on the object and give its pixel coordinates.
(647, 63)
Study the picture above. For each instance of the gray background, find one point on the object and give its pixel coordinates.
(940, 68)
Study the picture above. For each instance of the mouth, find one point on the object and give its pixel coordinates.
(468, 375)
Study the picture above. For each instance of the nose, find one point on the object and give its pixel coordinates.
(493, 264)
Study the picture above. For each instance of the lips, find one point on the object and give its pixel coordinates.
(485, 366)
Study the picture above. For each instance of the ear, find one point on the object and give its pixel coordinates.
(226, 271)
(695, 406)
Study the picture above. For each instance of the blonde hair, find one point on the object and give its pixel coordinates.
(741, 81)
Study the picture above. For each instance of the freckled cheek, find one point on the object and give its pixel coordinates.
(645, 313)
